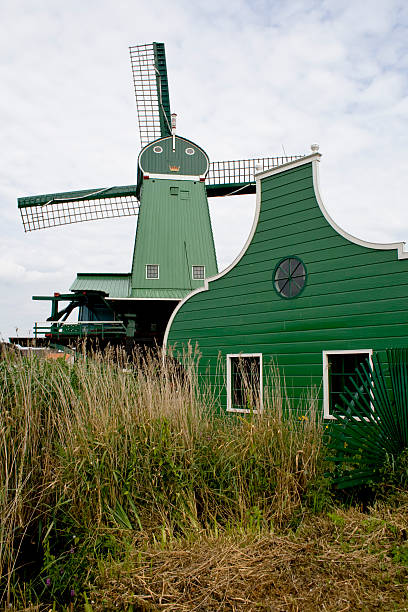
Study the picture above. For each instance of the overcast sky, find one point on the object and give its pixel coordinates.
(246, 78)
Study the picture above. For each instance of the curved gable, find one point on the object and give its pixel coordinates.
(356, 293)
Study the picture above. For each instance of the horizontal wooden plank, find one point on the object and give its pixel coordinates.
(273, 325)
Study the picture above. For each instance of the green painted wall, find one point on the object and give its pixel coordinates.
(173, 231)
(355, 297)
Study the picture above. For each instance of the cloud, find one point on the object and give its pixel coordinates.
(246, 79)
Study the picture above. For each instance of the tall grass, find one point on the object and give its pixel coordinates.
(111, 445)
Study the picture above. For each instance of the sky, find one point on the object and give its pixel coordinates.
(247, 78)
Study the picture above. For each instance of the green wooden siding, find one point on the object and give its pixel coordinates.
(115, 285)
(355, 297)
(174, 232)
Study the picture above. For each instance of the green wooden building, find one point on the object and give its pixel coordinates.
(302, 293)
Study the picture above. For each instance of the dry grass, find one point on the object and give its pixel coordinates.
(345, 561)
(106, 446)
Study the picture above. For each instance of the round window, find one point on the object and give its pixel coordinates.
(190, 151)
(157, 149)
(290, 277)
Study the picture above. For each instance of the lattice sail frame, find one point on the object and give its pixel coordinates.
(151, 90)
(62, 212)
(243, 170)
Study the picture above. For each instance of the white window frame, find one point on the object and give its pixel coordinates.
(229, 382)
(326, 394)
(192, 271)
(158, 272)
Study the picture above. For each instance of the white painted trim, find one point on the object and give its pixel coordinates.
(128, 299)
(399, 246)
(175, 176)
(229, 381)
(192, 271)
(326, 409)
(44, 323)
(288, 166)
(153, 277)
(315, 159)
(258, 177)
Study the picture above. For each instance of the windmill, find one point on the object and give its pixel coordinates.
(174, 248)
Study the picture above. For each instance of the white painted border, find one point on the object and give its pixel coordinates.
(192, 271)
(229, 381)
(153, 277)
(399, 246)
(174, 175)
(288, 166)
(315, 159)
(142, 299)
(326, 411)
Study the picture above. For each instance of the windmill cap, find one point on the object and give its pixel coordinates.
(187, 160)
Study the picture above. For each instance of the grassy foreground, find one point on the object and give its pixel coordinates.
(122, 488)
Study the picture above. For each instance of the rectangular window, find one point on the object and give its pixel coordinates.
(244, 382)
(198, 272)
(152, 271)
(338, 367)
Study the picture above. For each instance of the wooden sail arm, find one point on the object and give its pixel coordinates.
(52, 209)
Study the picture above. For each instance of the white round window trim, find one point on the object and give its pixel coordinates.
(157, 150)
(190, 151)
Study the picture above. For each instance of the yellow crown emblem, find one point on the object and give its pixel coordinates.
(174, 168)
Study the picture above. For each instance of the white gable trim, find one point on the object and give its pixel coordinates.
(315, 159)
(399, 246)
(288, 166)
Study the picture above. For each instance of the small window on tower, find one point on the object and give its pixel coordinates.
(152, 271)
(198, 272)
(174, 191)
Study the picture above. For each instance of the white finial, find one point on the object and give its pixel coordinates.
(315, 148)
(173, 129)
(258, 167)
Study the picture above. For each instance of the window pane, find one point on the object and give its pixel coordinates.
(245, 382)
(290, 277)
(342, 368)
(152, 271)
(198, 272)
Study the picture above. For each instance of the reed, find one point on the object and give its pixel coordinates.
(113, 445)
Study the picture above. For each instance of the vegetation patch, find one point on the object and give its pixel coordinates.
(123, 487)
(353, 564)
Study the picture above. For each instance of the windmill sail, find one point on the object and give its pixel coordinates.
(151, 91)
(237, 176)
(50, 210)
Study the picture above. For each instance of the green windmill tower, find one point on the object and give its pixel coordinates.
(174, 247)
